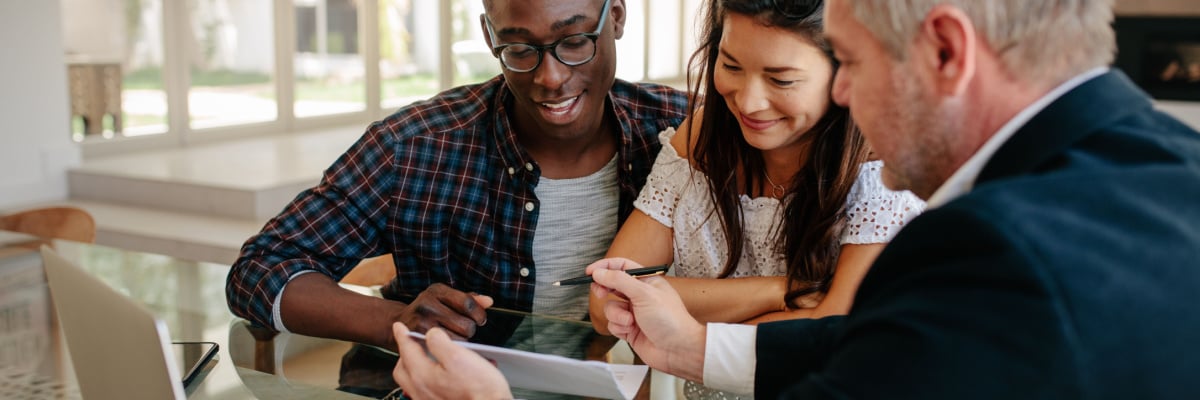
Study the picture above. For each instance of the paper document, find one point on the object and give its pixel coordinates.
(558, 374)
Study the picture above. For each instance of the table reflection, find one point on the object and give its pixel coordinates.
(27, 342)
(34, 359)
(291, 361)
(252, 363)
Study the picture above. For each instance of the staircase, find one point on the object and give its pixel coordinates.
(201, 203)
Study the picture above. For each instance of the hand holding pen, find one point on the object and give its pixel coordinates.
(636, 272)
(650, 316)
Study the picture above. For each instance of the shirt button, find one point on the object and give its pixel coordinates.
(529, 166)
(524, 272)
(529, 206)
(512, 170)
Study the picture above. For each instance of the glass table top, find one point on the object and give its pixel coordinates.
(187, 296)
(252, 363)
(280, 365)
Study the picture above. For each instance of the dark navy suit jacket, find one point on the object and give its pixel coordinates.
(1070, 271)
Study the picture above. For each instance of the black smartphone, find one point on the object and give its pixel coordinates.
(192, 359)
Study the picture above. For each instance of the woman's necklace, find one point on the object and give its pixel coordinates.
(777, 191)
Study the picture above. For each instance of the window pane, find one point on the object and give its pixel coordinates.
(231, 62)
(408, 51)
(114, 56)
(473, 60)
(631, 48)
(329, 65)
(666, 31)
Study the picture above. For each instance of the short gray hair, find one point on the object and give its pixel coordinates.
(1043, 41)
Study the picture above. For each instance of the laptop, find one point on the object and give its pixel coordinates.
(120, 350)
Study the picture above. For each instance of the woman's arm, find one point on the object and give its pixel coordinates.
(648, 242)
(730, 299)
(852, 266)
(642, 238)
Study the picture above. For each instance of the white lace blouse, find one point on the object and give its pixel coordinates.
(676, 195)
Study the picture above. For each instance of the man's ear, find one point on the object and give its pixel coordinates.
(950, 47)
(617, 16)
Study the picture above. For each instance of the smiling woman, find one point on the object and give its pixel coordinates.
(778, 90)
(765, 201)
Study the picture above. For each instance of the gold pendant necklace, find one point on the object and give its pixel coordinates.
(777, 191)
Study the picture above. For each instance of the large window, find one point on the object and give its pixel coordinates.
(230, 62)
(114, 55)
(409, 60)
(330, 76)
(163, 73)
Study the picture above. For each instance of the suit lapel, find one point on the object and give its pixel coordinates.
(1077, 114)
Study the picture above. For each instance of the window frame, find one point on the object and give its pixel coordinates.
(176, 79)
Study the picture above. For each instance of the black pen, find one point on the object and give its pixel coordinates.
(636, 272)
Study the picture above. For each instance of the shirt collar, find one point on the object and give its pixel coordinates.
(963, 180)
(514, 155)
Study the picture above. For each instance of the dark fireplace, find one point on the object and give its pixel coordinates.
(1161, 54)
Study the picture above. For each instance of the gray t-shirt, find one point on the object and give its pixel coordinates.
(575, 226)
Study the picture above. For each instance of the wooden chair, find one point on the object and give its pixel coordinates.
(376, 271)
(68, 223)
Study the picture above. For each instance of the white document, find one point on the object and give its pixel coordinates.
(558, 374)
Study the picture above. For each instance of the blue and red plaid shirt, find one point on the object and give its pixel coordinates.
(443, 186)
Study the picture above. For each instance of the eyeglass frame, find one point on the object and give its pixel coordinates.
(498, 50)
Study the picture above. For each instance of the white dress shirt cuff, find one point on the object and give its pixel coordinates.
(275, 306)
(729, 357)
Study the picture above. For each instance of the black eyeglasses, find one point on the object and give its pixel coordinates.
(796, 9)
(573, 50)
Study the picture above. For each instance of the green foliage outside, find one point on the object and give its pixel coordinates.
(151, 78)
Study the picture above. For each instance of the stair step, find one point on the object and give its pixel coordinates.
(201, 202)
(181, 235)
(250, 179)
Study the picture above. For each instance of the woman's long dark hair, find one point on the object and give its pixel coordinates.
(814, 214)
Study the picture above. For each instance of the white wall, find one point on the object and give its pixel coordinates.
(98, 33)
(35, 141)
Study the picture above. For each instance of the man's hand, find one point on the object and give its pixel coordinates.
(652, 318)
(453, 373)
(457, 312)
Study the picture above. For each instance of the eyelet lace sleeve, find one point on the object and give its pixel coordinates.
(666, 183)
(874, 213)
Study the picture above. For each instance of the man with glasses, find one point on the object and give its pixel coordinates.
(483, 195)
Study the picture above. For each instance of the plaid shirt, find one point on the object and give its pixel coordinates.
(443, 186)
